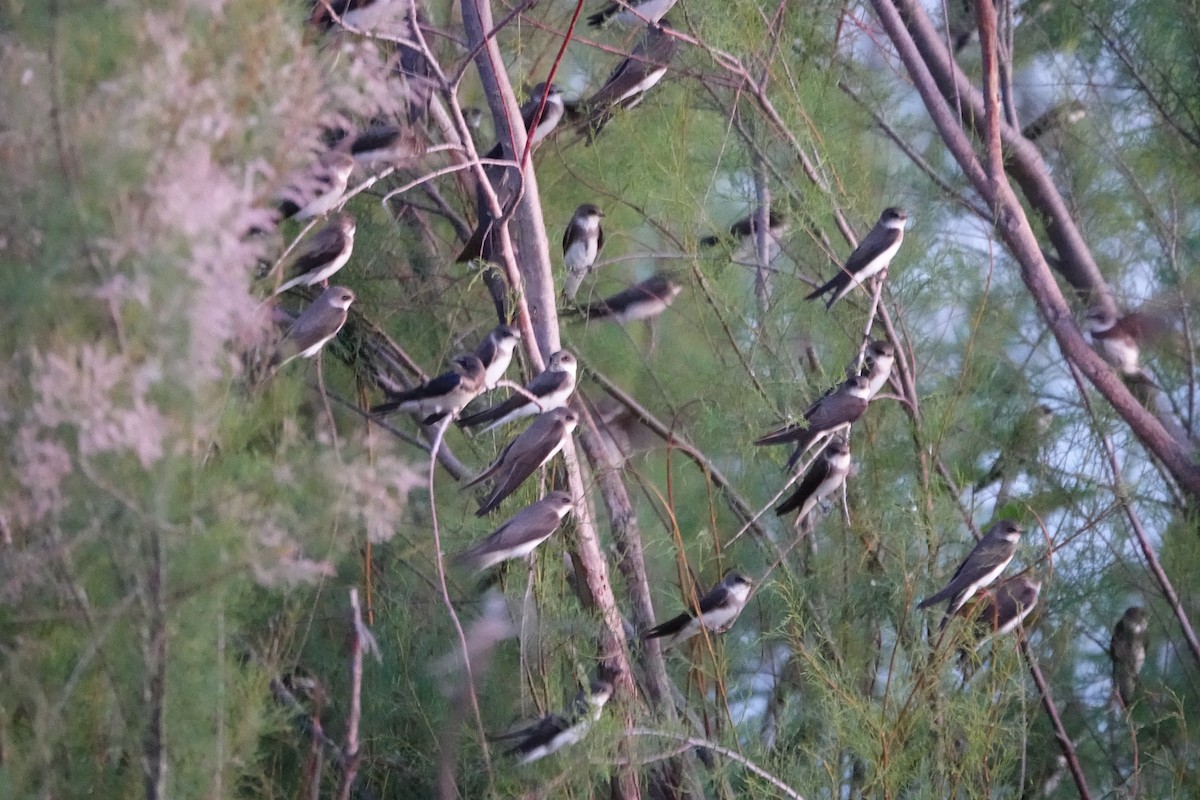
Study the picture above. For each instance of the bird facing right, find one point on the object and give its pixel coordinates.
(979, 569)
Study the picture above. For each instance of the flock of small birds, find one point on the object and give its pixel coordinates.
(546, 397)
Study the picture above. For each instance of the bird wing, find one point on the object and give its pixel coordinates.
(670, 627)
(376, 137)
(978, 563)
(808, 486)
(310, 328)
(837, 409)
(879, 239)
(529, 525)
(574, 231)
(326, 245)
(518, 463)
(441, 385)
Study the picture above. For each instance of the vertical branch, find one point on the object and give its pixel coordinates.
(351, 755)
(154, 742)
(1060, 733)
(762, 238)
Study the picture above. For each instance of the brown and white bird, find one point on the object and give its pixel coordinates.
(1127, 649)
(582, 242)
(1001, 610)
(551, 389)
(631, 79)
(833, 412)
(521, 534)
(321, 255)
(318, 190)
(717, 610)
(540, 115)
(1119, 339)
(536, 445)
(643, 300)
(871, 257)
(823, 478)
(979, 569)
(443, 396)
(318, 323)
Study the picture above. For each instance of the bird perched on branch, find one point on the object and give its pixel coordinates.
(716, 611)
(582, 242)
(871, 257)
(555, 731)
(999, 611)
(536, 445)
(551, 389)
(318, 323)
(630, 80)
(979, 569)
(745, 228)
(1127, 649)
(318, 190)
(837, 410)
(823, 479)
(520, 534)
(321, 255)
(445, 395)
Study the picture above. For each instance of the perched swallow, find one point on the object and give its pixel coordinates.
(981, 566)
(631, 79)
(633, 13)
(503, 180)
(322, 254)
(521, 534)
(553, 388)
(871, 257)
(319, 323)
(718, 610)
(823, 478)
(881, 356)
(319, 190)
(555, 731)
(1001, 610)
(582, 242)
(445, 395)
(495, 352)
(551, 115)
(1128, 652)
(836, 410)
(643, 300)
(381, 144)
(536, 445)
(744, 228)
